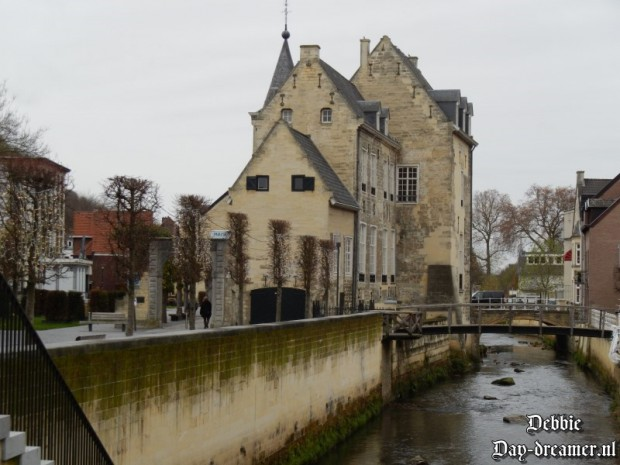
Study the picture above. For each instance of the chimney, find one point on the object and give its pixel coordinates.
(364, 52)
(414, 61)
(309, 53)
(580, 180)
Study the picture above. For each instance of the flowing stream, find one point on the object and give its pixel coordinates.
(454, 424)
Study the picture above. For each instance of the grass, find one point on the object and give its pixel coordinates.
(41, 325)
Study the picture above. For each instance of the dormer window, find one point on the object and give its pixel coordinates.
(326, 116)
(287, 115)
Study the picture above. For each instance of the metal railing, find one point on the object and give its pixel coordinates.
(35, 395)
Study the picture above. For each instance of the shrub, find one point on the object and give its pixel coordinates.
(57, 306)
(76, 306)
(40, 297)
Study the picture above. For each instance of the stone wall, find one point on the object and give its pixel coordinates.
(232, 396)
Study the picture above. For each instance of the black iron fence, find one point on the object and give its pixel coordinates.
(35, 395)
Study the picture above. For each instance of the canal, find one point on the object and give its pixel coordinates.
(462, 421)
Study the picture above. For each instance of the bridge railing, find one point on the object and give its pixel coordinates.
(603, 319)
(34, 394)
(410, 319)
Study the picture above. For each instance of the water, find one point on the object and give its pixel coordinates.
(453, 424)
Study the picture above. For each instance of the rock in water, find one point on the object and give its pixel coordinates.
(504, 381)
(515, 419)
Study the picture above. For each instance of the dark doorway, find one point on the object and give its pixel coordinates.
(263, 304)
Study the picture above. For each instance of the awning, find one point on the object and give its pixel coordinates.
(568, 256)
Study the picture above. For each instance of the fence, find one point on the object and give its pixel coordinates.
(34, 394)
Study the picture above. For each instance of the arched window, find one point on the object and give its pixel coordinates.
(287, 115)
(326, 115)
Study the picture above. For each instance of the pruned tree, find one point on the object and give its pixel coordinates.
(488, 223)
(32, 193)
(280, 249)
(326, 257)
(238, 257)
(537, 222)
(191, 248)
(131, 204)
(307, 254)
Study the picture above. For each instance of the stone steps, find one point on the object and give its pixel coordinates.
(13, 448)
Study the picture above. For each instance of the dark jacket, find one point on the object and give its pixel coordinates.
(205, 309)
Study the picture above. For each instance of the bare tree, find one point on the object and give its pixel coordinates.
(15, 136)
(307, 255)
(238, 258)
(131, 203)
(279, 247)
(192, 255)
(326, 257)
(488, 220)
(32, 193)
(538, 221)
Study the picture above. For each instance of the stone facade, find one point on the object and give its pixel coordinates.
(400, 149)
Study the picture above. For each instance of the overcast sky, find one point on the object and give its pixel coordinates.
(162, 89)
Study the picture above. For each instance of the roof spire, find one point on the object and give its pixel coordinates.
(285, 33)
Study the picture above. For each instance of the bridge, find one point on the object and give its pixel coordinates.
(412, 322)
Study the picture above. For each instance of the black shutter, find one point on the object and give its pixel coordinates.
(309, 183)
(250, 183)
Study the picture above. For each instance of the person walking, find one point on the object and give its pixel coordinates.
(205, 311)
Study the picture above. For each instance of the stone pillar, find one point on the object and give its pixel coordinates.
(219, 249)
(159, 251)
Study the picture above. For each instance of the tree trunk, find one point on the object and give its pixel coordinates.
(279, 303)
(131, 310)
(191, 311)
(240, 305)
(308, 305)
(30, 296)
(179, 299)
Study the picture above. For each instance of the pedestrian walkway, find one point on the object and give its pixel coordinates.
(76, 335)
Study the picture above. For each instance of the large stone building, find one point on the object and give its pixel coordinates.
(381, 164)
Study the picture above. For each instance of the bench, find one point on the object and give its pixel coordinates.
(105, 317)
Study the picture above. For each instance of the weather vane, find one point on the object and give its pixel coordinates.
(286, 34)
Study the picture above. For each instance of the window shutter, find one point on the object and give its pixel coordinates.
(250, 183)
(309, 183)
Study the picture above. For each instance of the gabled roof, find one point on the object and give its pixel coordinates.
(284, 66)
(341, 196)
(413, 68)
(346, 88)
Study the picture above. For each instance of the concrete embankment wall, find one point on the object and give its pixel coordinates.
(596, 353)
(236, 395)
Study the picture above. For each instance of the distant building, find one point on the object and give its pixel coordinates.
(379, 164)
(592, 244)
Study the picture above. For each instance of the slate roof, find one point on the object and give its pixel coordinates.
(346, 88)
(284, 66)
(342, 197)
(594, 186)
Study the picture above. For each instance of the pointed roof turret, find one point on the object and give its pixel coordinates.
(283, 67)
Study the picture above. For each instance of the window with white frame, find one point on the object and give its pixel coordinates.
(578, 254)
(392, 256)
(386, 177)
(326, 115)
(364, 168)
(348, 255)
(578, 294)
(407, 183)
(373, 173)
(287, 115)
(361, 262)
(392, 178)
(384, 256)
(372, 253)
